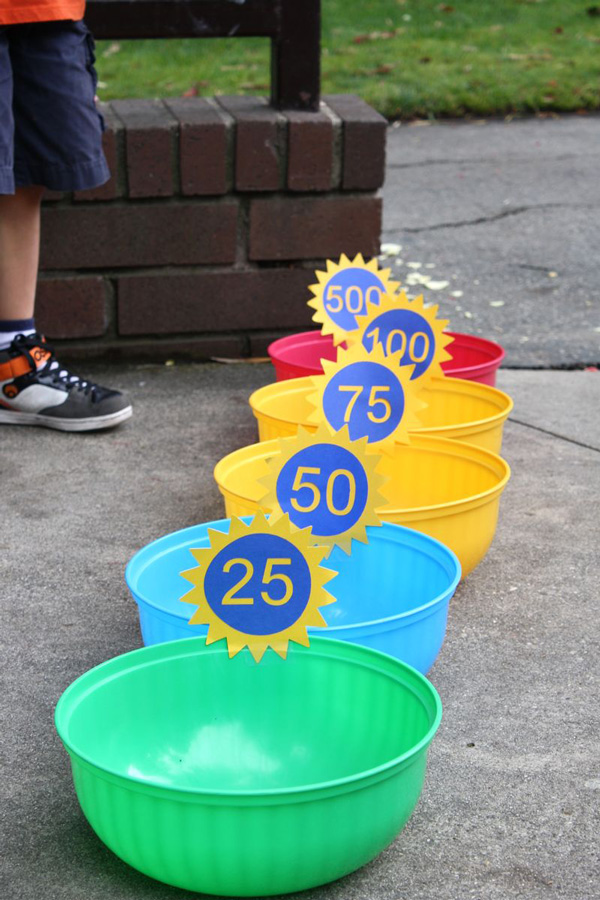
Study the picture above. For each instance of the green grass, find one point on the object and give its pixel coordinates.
(408, 58)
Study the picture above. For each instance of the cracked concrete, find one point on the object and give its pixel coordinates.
(509, 213)
(516, 211)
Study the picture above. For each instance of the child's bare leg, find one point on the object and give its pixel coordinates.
(19, 251)
(51, 76)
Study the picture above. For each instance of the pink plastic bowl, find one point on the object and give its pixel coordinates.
(473, 358)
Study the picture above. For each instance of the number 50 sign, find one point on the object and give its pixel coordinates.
(326, 482)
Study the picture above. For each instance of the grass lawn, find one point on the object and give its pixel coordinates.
(408, 58)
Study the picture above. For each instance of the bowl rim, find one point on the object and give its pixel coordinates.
(69, 700)
(502, 401)
(441, 443)
(495, 350)
(441, 554)
(314, 336)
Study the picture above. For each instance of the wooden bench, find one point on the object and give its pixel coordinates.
(293, 27)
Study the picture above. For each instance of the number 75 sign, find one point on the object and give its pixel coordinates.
(369, 393)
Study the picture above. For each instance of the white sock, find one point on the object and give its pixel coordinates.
(7, 337)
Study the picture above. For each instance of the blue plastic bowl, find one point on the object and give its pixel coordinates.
(392, 593)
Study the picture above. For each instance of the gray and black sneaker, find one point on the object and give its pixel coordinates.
(36, 390)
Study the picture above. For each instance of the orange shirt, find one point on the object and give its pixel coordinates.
(14, 12)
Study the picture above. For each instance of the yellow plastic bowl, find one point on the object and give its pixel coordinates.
(457, 409)
(447, 489)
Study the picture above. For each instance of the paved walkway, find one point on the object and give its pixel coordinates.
(509, 213)
(510, 805)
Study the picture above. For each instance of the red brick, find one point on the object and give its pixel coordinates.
(283, 228)
(364, 135)
(110, 140)
(258, 143)
(52, 196)
(205, 135)
(71, 307)
(214, 301)
(149, 234)
(149, 146)
(310, 151)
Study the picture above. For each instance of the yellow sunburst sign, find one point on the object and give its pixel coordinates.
(370, 393)
(259, 586)
(409, 329)
(343, 291)
(328, 483)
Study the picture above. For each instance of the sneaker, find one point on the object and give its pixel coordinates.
(36, 390)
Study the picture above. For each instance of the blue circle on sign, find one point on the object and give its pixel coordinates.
(366, 396)
(346, 293)
(406, 331)
(258, 584)
(325, 487)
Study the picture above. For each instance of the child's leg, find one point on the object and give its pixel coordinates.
(19, 252)
(19, 220)
(50, 135)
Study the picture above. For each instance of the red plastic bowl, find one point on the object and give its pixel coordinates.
(298, 355)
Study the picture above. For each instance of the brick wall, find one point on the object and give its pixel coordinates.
(204, 241)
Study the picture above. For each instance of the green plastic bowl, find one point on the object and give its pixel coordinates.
(243, 779)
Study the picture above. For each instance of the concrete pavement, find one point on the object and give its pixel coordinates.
(510, 804)
(509, 214)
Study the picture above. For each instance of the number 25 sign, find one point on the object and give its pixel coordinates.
(260, 586)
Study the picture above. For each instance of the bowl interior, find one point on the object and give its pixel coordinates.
(455, 402)
(469, 351)
(396, 573)
(286, 401)
(434, 473)
(194, 720)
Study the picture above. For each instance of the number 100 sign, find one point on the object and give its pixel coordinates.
(410, 330)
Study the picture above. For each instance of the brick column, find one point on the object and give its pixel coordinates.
(205, 240)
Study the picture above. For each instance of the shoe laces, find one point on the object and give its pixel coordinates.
(59, 375)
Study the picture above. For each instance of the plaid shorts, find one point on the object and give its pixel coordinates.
(50, 129)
